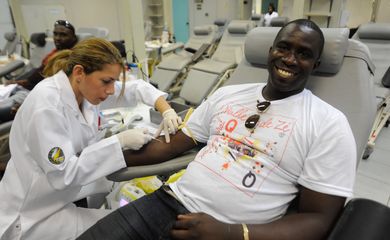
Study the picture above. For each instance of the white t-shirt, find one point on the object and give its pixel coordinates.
(268, 17)
(252, 177)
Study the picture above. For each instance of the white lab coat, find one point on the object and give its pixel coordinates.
(268, 17)
(54, 158)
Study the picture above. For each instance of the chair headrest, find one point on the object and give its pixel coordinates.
(220, 22)
(82, 36)
(10, 36)
(374, 31)
(203, 30)
(259, 40)
(279, 21)
(239, 27)
(39, 39)
(256, 17)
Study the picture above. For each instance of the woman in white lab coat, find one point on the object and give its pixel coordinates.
(55, 156)
(270, 14)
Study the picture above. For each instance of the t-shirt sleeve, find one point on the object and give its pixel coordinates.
(200, 120)
(330, 165)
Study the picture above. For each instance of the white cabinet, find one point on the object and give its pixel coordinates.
(154, 15)
(326, 13)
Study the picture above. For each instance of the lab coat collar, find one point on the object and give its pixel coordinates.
(69, 98)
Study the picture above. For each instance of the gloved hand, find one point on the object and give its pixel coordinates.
(134, 138)
(170, 124)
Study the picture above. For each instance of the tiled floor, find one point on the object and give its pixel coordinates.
(373, 176)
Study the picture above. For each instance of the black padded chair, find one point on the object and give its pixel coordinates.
(363, 219)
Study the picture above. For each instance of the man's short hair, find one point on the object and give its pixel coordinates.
(307, 23)
(66, 24)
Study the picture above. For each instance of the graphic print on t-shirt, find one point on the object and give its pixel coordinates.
(242, 157)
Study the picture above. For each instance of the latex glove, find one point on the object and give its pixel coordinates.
(134, 138)
(170, 124)
(201, 226)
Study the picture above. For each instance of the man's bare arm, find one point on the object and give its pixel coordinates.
(316, 216)
(317, 213)
(159, 151)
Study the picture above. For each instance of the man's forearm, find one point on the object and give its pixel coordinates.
(295, 226)
(159, 151)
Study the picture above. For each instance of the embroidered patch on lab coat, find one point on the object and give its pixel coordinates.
(56, 155)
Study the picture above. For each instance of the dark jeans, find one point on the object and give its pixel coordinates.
(150, 217)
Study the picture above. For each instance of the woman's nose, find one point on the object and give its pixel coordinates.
(110, 89)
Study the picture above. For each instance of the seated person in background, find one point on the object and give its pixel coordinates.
(270, 14)
(64, 38)
(266, 144)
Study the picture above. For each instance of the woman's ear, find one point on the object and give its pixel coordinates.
(78, 71)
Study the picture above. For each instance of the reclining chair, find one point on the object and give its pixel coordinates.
(172, 69)
(11, 47)
(12, 41)
(343, 79)
(279, 21)
(39, 48)
(210, 73)
(376, 36)
(362, 219)
(258, 19)
(221, 23)
(99, 32)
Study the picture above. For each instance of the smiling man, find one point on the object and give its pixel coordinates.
(265, 145)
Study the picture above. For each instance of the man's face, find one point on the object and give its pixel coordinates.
(294, 55)
(63, 37)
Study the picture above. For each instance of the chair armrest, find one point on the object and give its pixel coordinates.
(362, 219)
(11, 67)
(199, 53)
(165, 168)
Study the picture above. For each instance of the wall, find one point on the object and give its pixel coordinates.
(383, 11)
(210, 10)
(5, 21)
(359, 12)
(81, 13)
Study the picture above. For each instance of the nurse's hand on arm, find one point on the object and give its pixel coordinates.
(171, 121)
(134, 138)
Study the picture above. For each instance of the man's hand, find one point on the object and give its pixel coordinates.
(199, 226)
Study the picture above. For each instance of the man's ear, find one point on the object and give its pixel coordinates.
(317, 64)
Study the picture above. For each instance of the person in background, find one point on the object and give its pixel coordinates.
(57, 153)
(265, 145)
(270, 14)
(64, 37)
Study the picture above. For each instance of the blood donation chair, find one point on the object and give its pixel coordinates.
(210, 73)
(11, 44)
(38, 49)
(362, 219)
(279, 21)
(343, 80)
(258, 19)
(172, 69)
(99, 32)
(376, 36)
